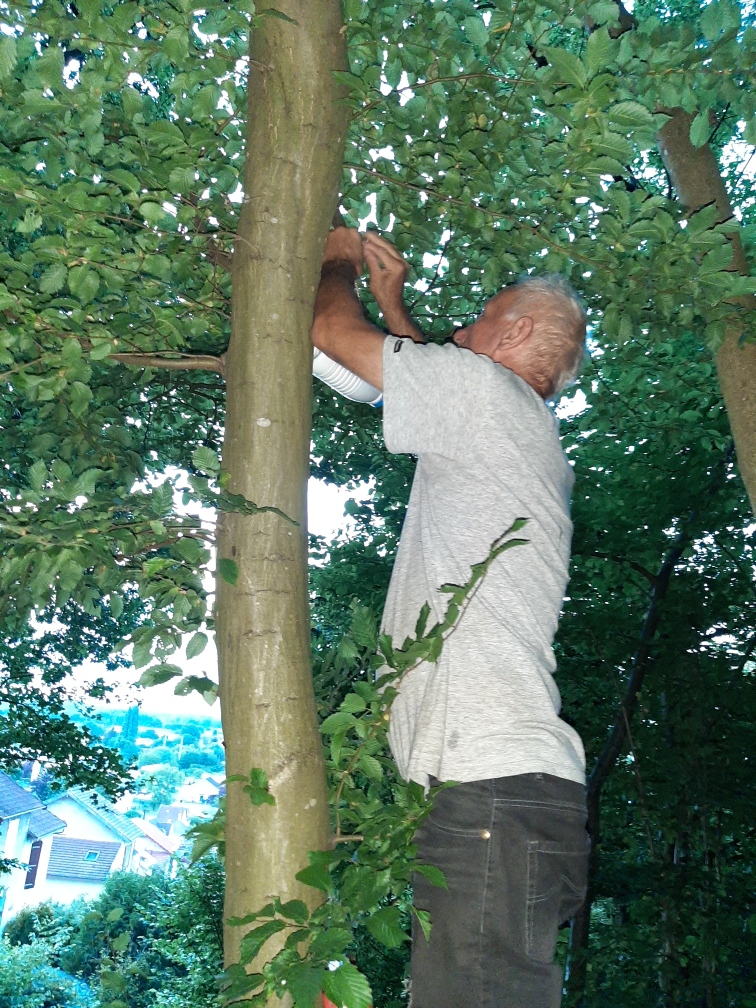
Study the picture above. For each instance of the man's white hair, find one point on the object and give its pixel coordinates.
(560, 324)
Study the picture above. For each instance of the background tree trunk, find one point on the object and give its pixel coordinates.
(295, 143)
(695, 175)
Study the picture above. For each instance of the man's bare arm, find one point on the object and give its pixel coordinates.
(388, 271)
(339, 327)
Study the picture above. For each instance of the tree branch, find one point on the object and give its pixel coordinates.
(179, 362)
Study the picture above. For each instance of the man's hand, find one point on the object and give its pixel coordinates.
(388, 271)
(344, 245)
(339, 327)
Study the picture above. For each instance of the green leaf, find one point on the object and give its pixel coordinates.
(121, 942)
(196, 645)
(599, 51)
(8, 55)
(182, 180)
(422, 620)
(271, 12)
(716, 260)
(124, 178)
(476, 31)
(568, 67)
(337, 722)
(53, 279)
(295, 910)
(228, 570)
(352, 704)
(330, 944)
(604, 12)
(257, 788)
(38, 475)
(205, 461)
(198, 684)
(423, 919)
(370, 767)
(385, 927)
(434, 875)
(86, 483)
(161, 499)
(719, 16)
(254, 940)
(630, 115)
(153, 213)
(700, 129)
(304, 982)
(115, 914)
(81, 396)
(31, 221)
(158, 674)
(347, 987)
(315, 875)
(83, 283)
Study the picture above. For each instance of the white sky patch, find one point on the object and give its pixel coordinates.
(571, 405)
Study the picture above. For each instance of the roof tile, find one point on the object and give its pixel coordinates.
(72, 859)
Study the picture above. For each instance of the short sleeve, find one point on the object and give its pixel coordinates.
(431, 396)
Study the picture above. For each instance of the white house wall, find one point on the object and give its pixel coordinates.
(79, 822)
(67, 890)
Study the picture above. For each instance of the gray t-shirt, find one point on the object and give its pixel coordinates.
(488, 452)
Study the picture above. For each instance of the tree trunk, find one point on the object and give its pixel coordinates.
(615, 745)
(696, 178)
(295, 142)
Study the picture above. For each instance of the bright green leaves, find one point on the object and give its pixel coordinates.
(206, 461)
(476, 31)
(83, 282)
(228, 570)
(53, 279)
(700, 128)
(196, 645)
(255, 786)
(386, 927)
(600, 51)
(568, 68)
(31, 221)
(347, 987)
(719, 16)
(8, 55)
(366, 873)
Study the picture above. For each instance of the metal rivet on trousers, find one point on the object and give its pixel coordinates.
(485, 834)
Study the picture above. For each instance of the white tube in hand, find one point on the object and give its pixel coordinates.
(343, 381)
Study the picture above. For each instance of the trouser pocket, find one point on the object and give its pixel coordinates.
(557, 883)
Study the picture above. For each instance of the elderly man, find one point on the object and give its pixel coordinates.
(510, 837)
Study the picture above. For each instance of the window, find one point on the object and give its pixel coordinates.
(91, 855)
(31, 873)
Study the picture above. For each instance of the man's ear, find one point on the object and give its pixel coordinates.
(516, 333)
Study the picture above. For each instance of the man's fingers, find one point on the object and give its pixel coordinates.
(373, 240)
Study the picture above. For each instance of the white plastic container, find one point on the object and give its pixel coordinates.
(345, 382)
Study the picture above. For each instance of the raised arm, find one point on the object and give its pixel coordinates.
(388, 271)
(339, 327)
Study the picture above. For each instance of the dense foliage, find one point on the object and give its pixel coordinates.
(490, 138)
(146, 941)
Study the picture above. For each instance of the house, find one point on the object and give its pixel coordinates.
(176, 819)
(93, 842)
(27, 830)
(201, 791)
(155, 850)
